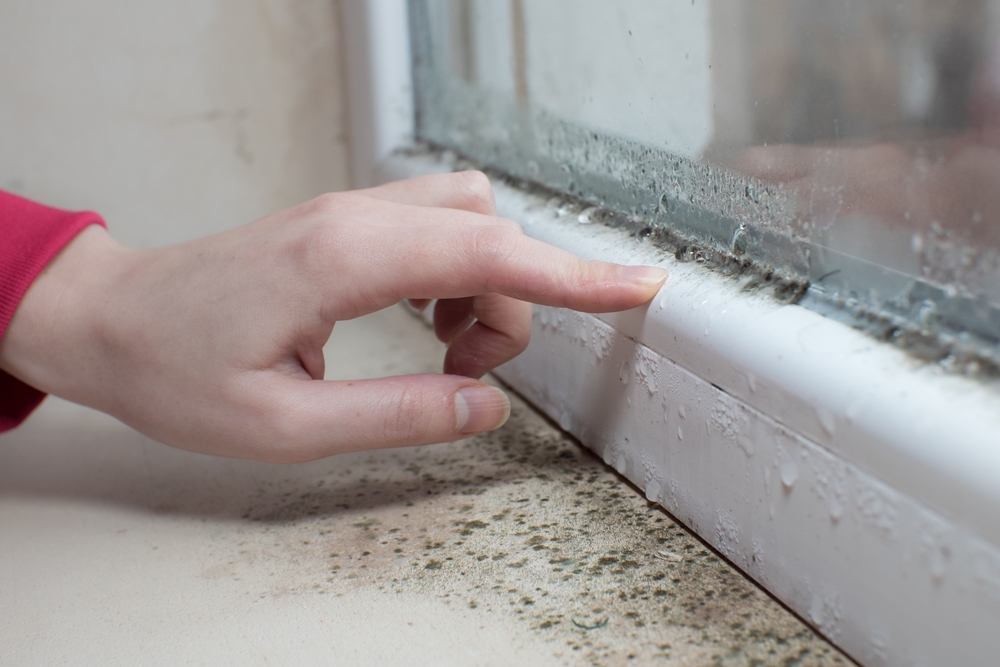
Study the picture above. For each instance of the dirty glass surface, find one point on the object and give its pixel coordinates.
(847, 149)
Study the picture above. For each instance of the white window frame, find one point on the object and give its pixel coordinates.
(858, 485)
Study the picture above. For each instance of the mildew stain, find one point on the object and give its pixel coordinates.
(525, 529)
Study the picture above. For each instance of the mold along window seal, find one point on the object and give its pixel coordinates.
(856, 483)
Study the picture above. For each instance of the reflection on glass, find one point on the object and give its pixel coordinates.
(854, 145)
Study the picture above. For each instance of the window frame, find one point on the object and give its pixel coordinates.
(907, 568)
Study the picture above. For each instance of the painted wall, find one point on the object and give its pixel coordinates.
(172, 118)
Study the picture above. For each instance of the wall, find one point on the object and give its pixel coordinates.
(173, 118)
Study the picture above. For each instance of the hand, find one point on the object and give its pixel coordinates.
(215, 345)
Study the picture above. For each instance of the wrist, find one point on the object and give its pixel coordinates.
(50, 341)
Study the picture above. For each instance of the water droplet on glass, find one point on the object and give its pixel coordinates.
(680, 433)
(751, 382)
(664, 204)
(740, 240)
(663, 302)
(623, 373)
(643, 234)
(653, 491)
(682, 412)
(621, 465)
(628, 399)
(789, 473)
(836, 510)
(928, 315)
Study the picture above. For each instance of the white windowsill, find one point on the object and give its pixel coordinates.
(858, 485)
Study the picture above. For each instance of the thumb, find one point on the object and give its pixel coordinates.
(333, 417)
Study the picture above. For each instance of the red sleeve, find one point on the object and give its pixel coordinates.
(30, 236)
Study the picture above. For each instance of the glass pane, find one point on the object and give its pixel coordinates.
(849, 146)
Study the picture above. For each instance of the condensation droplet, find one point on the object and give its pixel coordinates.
(740, 240)
(751, 382)
(653, 491)
(586, 217)
(836, 510)
(621, 465)
(623, 372)
(816, 610)
(628, 399)
(682, 412)
(789, 473)
(663, 302)
(680, 433)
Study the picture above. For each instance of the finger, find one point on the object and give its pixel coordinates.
(316, 418)
(463, 190)
(500, 332)
(452, 317)
(455, 261)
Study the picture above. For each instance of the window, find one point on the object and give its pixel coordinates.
(800, 166)
(849, 149)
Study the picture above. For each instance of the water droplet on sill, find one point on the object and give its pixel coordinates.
(623, 374)
(789, 474)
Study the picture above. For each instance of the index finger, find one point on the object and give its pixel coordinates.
(460, 260)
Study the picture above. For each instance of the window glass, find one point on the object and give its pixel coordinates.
(847, 146)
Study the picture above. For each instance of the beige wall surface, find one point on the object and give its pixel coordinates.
(172, 118)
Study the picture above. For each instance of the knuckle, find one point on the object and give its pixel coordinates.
(510, 224)
(408, 421)
(494, 244)
(475, 189)
(327, 203)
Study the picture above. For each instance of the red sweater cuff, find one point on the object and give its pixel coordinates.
(32, 234)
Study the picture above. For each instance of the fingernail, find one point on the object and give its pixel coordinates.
(480, 408)
(647, 276)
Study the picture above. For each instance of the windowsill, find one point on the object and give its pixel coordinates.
(462, 553)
